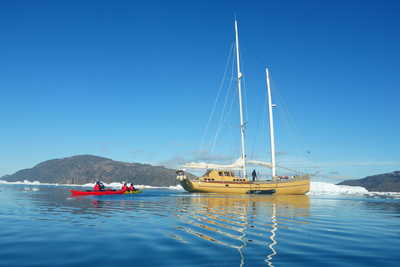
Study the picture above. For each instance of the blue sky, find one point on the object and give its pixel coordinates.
(136, 81)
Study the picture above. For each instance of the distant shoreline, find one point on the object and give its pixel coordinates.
(317, 188)
(113, 185)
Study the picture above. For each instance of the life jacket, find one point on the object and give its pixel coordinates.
(124, 187)
(97, 187)
(132, 188)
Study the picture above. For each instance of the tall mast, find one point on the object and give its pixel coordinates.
(239, 77)
(271, 126)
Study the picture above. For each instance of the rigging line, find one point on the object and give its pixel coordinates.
(291, 123)
(282, 114)
(333, 177)
(285, 111)
(289, 169)
(224, 113)
(227, 132)
(253, 141)
(229, 89)
(229, 124)
(259, 130)
(235, 99)
(222, 82)
(295, 132)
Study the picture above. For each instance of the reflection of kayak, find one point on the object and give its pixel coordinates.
(136, 191)
(100, 193)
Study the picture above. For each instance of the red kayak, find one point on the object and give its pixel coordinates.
(96, 193)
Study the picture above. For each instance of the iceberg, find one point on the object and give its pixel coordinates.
(321, 188)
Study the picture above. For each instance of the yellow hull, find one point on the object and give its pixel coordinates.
(289, 187)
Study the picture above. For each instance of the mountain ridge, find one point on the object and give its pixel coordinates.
(386, 182)
(81, 169)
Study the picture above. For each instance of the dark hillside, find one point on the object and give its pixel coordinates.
(387, 182)
(87, 168)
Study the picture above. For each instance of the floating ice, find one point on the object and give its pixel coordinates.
(392, 195)
(321, 188)
(176, 187)
(25, 182)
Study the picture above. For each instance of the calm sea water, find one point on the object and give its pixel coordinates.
(44, 226)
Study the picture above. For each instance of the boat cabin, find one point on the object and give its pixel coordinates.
(221, 175)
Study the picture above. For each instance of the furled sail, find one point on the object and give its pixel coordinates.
(237, 165)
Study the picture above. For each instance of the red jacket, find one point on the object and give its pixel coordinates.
(132, 188)
(124, 187)
(96, 187)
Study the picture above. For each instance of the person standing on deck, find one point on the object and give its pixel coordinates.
(254, 175)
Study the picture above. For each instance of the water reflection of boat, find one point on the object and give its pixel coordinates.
(236, 221)
(272, 237)
(227, 201)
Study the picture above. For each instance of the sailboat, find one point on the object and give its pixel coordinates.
(221, 178)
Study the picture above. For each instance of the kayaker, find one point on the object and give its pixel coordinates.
(131, 188)
(97, 186)
(102, 187)
(124, 187)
